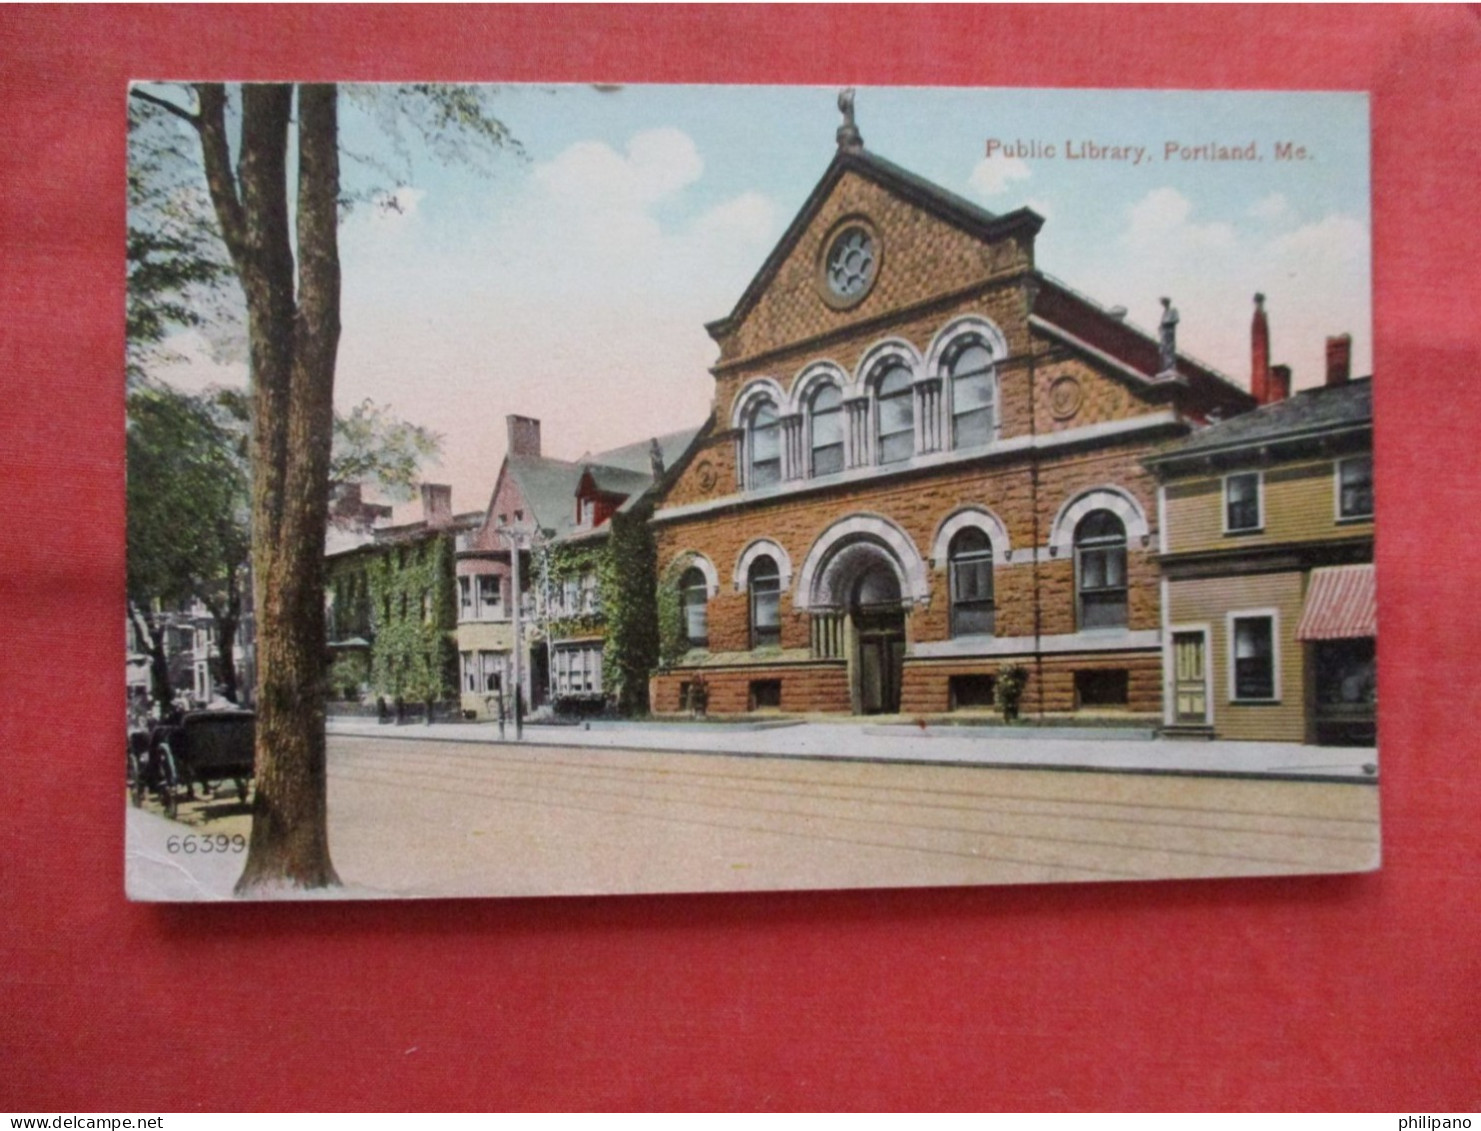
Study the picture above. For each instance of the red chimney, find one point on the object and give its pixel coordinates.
(1260, 354)
(524, 435)
(1339, 359)
(437, 504)
(1280, 383)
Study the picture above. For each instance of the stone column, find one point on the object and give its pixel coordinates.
(858, 448)
(928, 415)
(794, 459)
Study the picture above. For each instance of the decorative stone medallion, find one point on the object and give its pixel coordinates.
(706, 475)
(1065, 397)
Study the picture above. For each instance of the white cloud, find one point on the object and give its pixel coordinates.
(657, 164)
(1273, 207)
(1163, 214)
(992, 175)
(582, 302)
(1315, 278)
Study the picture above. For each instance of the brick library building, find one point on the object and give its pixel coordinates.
(924, 463)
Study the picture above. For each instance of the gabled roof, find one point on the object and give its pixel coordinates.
(615, 480)
(549, 486)
(930, 198)
(636, 457)
(1325, 412)
(549, 489)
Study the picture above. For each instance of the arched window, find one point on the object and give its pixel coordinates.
(1100, 570)
(763, 446)
(825, 424)
(970, 564)
(764, 582)
(694, 596)
(896, 414)
(970, 374)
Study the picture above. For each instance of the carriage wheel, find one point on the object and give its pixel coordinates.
(168, 780)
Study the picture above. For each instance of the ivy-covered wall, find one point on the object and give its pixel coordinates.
(403, 599)
(625, 566)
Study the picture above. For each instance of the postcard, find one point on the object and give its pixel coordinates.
(615, 489)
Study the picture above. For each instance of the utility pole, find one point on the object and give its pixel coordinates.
(512, 535)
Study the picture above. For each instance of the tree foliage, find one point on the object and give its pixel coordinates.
(177, 265)
(629, 596)
(372, 445)
(188, 495)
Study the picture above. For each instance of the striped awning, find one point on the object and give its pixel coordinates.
(1340, 604)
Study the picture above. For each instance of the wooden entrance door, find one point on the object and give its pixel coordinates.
(1190, 684)
(881, 662)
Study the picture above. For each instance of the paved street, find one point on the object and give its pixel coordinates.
(897, 739)
(415, 816)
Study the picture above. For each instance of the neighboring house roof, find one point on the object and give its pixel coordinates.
(1323, 412)
(617, 480)
(636, 456)
(549, 490)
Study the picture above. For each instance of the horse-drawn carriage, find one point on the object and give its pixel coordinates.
(201, 748)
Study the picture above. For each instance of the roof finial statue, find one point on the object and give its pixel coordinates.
(849, 136)
(1168, 345)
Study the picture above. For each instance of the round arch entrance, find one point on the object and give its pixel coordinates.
(861, 583)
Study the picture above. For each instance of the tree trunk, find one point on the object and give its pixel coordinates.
(293, 335)
(227, 616)
(159, 663)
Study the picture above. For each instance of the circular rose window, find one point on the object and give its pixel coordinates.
(850, 265)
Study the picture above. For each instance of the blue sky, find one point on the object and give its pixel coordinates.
(573, 286)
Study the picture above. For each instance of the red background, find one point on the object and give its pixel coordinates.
(1346, 992)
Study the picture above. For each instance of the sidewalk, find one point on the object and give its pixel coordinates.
(900, 741)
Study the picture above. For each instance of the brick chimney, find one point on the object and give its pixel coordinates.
(345, 501)
(1260, 353)
(1279, 387)
(437, 504)
(524, 436)
(1339, 359)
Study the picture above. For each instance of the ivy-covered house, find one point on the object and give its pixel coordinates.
(585, 582)
(392, 607)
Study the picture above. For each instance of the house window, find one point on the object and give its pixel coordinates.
(1105, 688)
(694, 595)
(491, 670)
(1253, 670)
(1100, 570)
(578, 671)
(895, 405)
(825, 422)
(590, 601)
(586, 509)
(766, 695)
(971, 396)
(490, 597)
(765, 585)
(1355, 487)
(970, 565)
(1242, 502)
(764, 446)
(465, 599)
(470, 673)
(968, 691)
